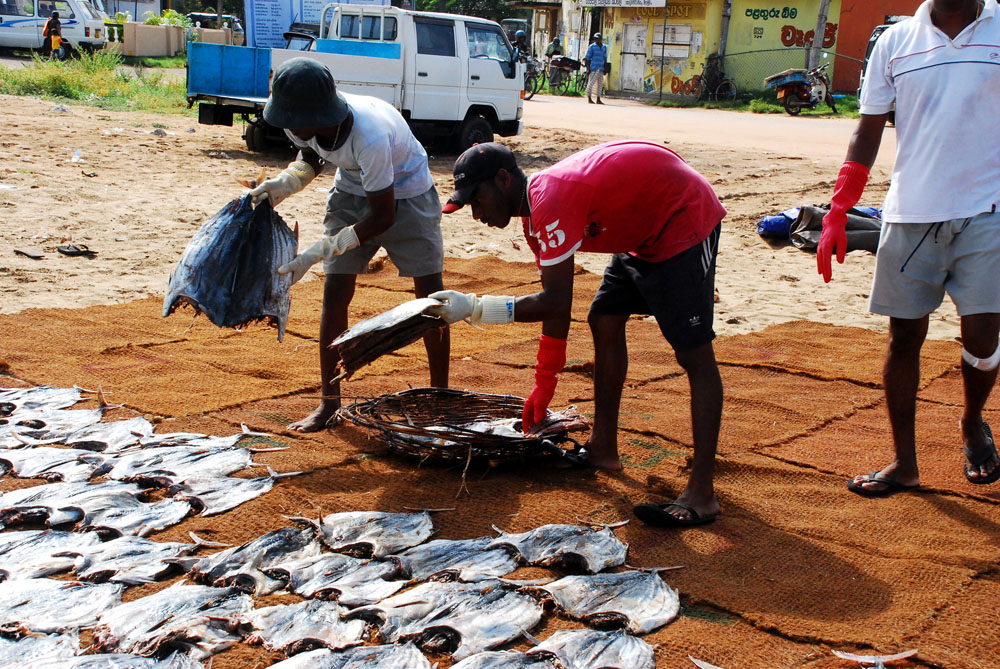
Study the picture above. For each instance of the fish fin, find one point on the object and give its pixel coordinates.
(276, 475)
(874, 659)
(269, 450)
(296, 232)
(250, 433)
(654, 570)
(498, 530)
(417, 508)
(103, 402)
(316, 524)
(701, 664)
(530, 638)
(204, 542)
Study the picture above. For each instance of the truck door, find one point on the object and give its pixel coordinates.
(491, 74)
(19, 26)
(438, 71)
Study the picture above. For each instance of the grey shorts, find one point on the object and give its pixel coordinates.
(414, 241)
(917, 263)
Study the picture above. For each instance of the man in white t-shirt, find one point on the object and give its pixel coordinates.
(383, 196)
(941, 229)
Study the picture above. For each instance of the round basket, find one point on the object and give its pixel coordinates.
(431, 423)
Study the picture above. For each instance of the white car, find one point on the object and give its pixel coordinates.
(22, 23)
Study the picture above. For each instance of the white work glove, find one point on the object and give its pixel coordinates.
(327, 247)
(488, 309)
(293, 179)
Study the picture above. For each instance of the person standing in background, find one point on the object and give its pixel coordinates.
(597, 56)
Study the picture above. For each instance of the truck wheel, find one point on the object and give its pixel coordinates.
(256, 136)
(475, 130)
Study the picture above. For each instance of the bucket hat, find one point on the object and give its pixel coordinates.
(303, 95)
(479, 163)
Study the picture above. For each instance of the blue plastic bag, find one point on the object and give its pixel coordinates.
(777, 226)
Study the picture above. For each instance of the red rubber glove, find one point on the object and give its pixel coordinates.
(850, 185)
(551, 359)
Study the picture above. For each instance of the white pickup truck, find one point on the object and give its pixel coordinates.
(452, 77)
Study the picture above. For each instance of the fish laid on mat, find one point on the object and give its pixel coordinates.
(50, 424)
(34, 553)
(63, 503)
(243, 566)
(39, 398)
(210, 495)
(464, 560)
(128, 559)
(131, 517)
(229, 269)
(506, 659)
(24, 652)
(119, 661)
(47, 462)
(639, 601)
(572, 547)
(390, 656)
(349, 580)
(195, 440)
(372, 533)
(457, 618)
(172, 464)
(197, 619)
(49, 606)
(373, 337)
(583, 649)
(294, 628)
(111, 437)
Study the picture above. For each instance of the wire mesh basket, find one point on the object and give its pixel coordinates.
(448, 425)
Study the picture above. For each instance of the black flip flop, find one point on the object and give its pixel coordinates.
(657, 516)
(76, 250)
(30, 252)
(574, 458)
(991, 453)
(891, 486)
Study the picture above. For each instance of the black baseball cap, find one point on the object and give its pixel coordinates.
(479, 163)
(303, 95)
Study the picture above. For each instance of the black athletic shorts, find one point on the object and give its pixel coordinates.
(679, 292)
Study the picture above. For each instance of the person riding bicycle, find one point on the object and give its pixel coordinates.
(551, 51)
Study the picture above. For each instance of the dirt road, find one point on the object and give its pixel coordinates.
(137, 198)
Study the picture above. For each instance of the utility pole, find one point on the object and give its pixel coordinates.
(727, 12)
(663, 48)
(812, 54)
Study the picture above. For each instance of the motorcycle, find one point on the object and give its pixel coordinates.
(802, 89)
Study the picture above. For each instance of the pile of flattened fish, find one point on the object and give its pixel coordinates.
(374, 590)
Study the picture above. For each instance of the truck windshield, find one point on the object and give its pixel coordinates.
(486, 42)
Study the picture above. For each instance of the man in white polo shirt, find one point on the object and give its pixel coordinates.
(383, 196)
(941, 234)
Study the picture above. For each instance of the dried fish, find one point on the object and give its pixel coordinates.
(391, 656)
(384, 333)
(47, 462)
(349, 580)
(131, 517)
(460, 618)
(639, 601)
(229, 268)
(49, 606)
(372, 533)
(49, 423)
(197, 440)
(505, 659)
(172, 464)
(28, 650)
(294, 628)
(464, 560)
(211, 495)
(62, 503)
(111, 437)
(119, 661)
(38, 398)
(243, 566)
(34, 553)
(572, 547)
(129, 560)
(583, 649)
(197, 619)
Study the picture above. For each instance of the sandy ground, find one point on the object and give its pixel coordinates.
(137, 198)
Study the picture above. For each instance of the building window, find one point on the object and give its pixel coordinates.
(676, 43)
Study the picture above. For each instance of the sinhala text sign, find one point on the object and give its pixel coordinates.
(624, 3)
(267, 20)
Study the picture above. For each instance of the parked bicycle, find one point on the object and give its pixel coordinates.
(534, 77)
(565, 76)
(712, 83)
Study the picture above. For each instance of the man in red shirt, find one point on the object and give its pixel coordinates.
(661, 220)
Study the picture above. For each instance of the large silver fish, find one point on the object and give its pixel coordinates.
(506, 659)
(172, 464)
(38, 398)
(26, 651)
(391, 656)
(62, 503)
(572, 547)
(117, 661)
(465, 560)
(111, 437)
(349, 580)
(197, 619)
(34, 553)
(294, 628)
(210, 495)
(130, 560)
(52, 425)
(639, 601)
(460, 618)
(372, 533)
(585, 649)
(47, 462)
(243, 566)
(49, 606)
(131, 517)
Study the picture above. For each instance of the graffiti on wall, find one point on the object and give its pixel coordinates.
(792, 36)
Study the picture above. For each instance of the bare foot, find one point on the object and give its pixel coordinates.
(315, 421)
(599, 101)
(603, 458)
(894, 472)
(589, 101)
